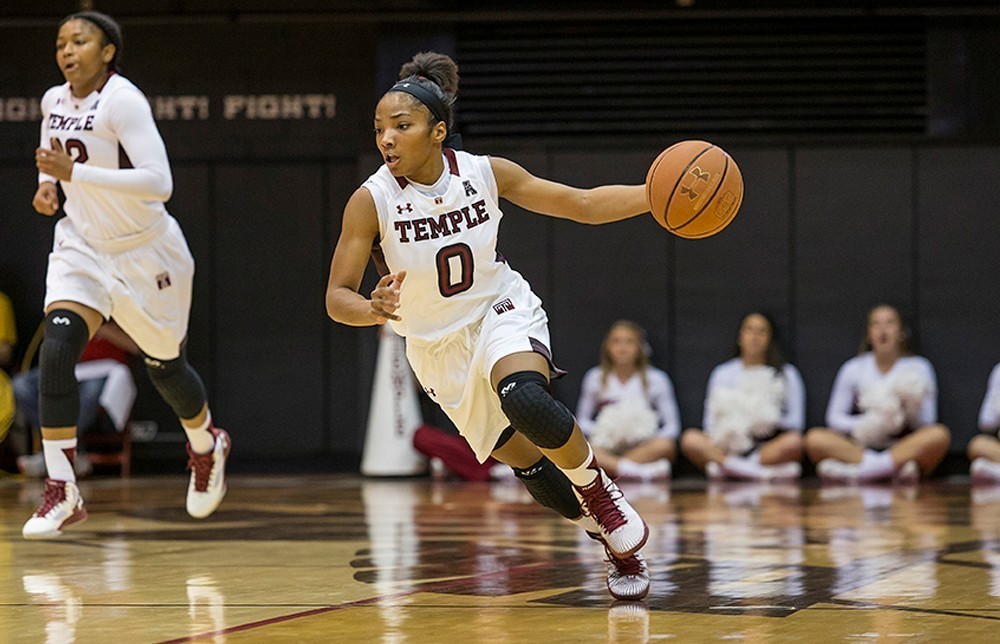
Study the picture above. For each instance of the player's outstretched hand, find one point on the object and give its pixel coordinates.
(385, 297)
(46, 201)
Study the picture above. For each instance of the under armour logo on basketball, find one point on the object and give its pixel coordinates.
(509, 388)
(469, 190)
(61, 320)
(408, 208)
(698, 176)
(162, 281)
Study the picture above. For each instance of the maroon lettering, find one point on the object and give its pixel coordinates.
(401, 228)
(420, 230)
(481, 213)
(439, 226)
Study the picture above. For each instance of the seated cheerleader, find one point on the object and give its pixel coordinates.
(754, 412)
(627, 408)
(984, 450)
(882, 415)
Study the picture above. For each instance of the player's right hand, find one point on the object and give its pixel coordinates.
(46, 199)
(385, 297)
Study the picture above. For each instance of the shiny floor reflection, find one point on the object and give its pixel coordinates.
(345, 559)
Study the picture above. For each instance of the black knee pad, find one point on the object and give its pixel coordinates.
(66, 336)
(550, 487)
(531, 409)
(178, 384)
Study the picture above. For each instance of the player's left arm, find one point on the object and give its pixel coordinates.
(598, 205)
(131, 119)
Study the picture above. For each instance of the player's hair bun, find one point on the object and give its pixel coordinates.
(438, 68)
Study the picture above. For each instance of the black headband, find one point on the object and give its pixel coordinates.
(424, 95)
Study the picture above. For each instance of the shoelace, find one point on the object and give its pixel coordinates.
(628, 566)
(201, 465)
(55, 493)
(602, 507)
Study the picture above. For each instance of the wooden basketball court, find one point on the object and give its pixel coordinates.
(345, 559)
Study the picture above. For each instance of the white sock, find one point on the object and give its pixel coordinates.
(986, 466)
(875, 465)
(743, 467)
(587, 523)
(582, 475)
(644, 471)
(200, 438)
(629, 469)
(59, 457)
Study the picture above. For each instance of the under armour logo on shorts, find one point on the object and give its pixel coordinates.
(162, 281)
(430, 391)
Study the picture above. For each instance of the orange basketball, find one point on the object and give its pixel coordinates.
(694, 189)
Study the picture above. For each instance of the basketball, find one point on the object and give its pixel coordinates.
(694, 189)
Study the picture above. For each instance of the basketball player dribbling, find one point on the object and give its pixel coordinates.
(117, 254)
(476, 336)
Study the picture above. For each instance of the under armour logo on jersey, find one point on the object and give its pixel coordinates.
(408, 208)
(503, 306)
(509, 388)
(469, 190)
(162, 281)
(61, 320)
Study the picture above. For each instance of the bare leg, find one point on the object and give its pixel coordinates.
(652, 450)
(927, 446)
(699, 448)
(822, 443)
(984, 446)
(784, 448)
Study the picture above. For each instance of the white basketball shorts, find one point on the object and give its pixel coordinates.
(455, 370)
(144, 282)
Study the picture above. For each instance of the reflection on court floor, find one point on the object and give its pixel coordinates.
(340, 558)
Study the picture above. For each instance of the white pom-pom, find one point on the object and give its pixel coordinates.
(889, 404)
(738, 415)
(623, 424)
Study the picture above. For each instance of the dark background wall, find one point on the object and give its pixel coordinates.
(844, 207)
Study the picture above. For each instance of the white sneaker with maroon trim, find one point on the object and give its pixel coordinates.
(622, 529)
(61, 507)
(208, 476)
(628, 577)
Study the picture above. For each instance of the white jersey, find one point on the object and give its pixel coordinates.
(729, 375)
(658, 392)
(445, 237)
(861, 372)
(989, 413)
(121, 176)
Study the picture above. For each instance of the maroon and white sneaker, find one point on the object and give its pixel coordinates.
(628, 577)
(208, 476)
(622, 529)
(61, 507)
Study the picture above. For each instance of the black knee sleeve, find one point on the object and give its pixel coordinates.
(178, 384)
(531, 409)
(550, 487)
(66, 336)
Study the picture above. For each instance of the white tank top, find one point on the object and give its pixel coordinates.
(445, 237)
(122, 176)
